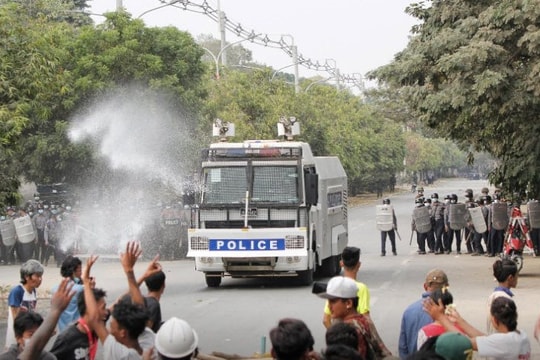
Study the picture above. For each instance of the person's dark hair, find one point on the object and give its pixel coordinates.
(504, 268)
(350, 256)
(341, 352)
(81, 305)
(69, 265)
(442, 294)
(26, 320)
(290, 339)
(504, 311)
(131, 317)
(156, 281)
(342, 334)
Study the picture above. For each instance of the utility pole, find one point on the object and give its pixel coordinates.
(221, 28)
(119, 5)
(294, 49)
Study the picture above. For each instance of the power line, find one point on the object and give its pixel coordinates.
(266, 40)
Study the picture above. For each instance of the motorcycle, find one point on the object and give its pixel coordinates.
(517, 239)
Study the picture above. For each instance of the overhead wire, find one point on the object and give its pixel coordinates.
(262, 39)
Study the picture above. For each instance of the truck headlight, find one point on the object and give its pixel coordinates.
(198, 243)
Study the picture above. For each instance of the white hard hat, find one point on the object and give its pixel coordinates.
(176, 339)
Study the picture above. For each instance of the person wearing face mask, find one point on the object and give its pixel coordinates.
(40, 222)
(24, 326)
(71, 268)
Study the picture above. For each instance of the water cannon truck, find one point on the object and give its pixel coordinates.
(268, 208)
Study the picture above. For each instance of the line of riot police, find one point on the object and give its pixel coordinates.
(480, 223)
(41, 230)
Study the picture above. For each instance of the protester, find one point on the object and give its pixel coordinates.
(23, 297)
(176, 340)
(414, 317)
(78, 341)
(71, 268)
(292, 340)
(25, 325)
(343, 301)
(506, 273)
(128, 319)
(507, 343)
(39, 339)
(342, 334)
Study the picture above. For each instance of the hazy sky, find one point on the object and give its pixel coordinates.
(359, 35)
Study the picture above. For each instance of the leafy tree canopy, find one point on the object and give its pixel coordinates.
(471, 72)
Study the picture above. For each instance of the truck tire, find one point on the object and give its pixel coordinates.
(212, 281)
(330, 266)
(305, 277)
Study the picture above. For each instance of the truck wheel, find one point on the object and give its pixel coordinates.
(212, 281)
(305, 277)
(330, 266)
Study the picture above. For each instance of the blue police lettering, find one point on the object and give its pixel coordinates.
(269, 244)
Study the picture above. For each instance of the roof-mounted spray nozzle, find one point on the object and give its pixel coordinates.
(288, 127)
(223, 129)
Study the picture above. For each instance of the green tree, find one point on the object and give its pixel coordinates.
(470, 71)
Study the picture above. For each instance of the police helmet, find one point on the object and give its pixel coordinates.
(427, 201)
(453, 198)
(420, 189)
(486, 199)
(485, 190)
(386, 201)
(419, 200)
(434, 196)
(469, 193)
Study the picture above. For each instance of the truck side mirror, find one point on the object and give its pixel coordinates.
(311, 188)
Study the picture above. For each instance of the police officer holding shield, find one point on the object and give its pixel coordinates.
(421, 223)
(437, 216)
(387, 224)
(454, 219)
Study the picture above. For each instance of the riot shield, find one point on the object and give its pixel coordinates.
(422, 220)
(456, 216)
(477, 219)
(499, 216)
(385, 217)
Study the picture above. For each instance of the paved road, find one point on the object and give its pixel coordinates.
(234, 317)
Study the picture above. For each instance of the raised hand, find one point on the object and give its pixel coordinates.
(130, 256)
(87, 279)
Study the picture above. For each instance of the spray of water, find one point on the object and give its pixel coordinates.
(143, 143)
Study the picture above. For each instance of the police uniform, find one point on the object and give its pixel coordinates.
(451, 232)
(437, 214)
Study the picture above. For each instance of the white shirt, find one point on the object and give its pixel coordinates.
(513, 345)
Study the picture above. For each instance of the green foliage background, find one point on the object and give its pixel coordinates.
(54, 63)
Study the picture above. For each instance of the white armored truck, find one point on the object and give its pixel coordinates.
(268, 208)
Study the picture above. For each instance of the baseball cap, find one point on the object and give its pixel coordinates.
(436, 276)
(454, 346)
(340, 287)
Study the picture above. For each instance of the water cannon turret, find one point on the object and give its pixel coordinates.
(288, 127)
(223, 129)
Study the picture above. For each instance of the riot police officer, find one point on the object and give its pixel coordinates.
(469, 230)
(387, 229)
(421, 223)
(437, 216)
(430, 239)
(454, 219)
(498, 222)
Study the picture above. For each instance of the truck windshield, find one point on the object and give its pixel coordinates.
(276, 184)
(228, 185)
(225, 185)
